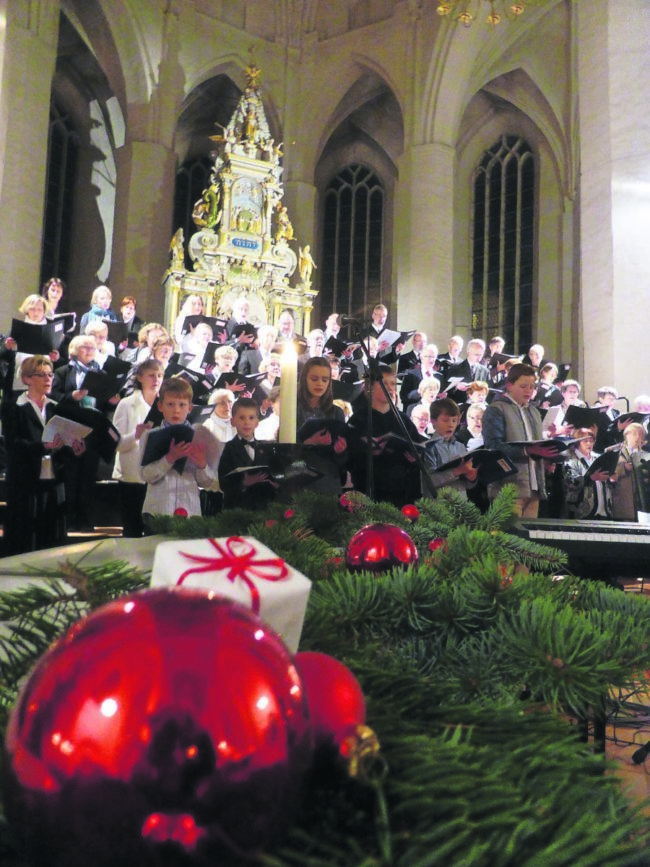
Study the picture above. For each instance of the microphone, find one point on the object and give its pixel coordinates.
(349, 320)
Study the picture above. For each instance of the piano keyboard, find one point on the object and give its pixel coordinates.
(596, 549)
(548, 530)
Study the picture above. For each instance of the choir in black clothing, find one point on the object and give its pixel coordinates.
(340, 449)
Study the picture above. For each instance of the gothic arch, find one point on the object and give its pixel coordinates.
(365, 129)
(487, 117)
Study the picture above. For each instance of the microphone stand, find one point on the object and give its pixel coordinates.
(373, 374)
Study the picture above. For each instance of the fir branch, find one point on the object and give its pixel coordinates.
(442, 649)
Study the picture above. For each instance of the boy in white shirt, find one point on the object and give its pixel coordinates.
(173, 480)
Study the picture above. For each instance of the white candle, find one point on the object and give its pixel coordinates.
(288, 394)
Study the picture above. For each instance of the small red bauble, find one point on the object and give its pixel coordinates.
(270, 523)
(380, 547)
(170, 726)
(437, 544)
(289, 514)
(180, 512)
(334, 695)
(412, 513)
(352, 501)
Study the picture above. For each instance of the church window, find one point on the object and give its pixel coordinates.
(191, 179)
(353, 224)
(502, 252)
(63, 151)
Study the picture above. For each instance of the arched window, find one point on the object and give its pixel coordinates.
(63, 150)
(353, 225)
(191, 179)
(502, 243)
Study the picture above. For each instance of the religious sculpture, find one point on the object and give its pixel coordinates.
(244, 244)
(177, 250)
(206, 213)
(284, 229)
(305, 264)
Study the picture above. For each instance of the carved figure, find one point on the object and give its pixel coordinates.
(206, 213)
(228, 138)
(252, 73)
(284, 228)
(177, 250)
(305, 264)
(250, 124)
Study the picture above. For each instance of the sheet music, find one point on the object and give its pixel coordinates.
(66, 429)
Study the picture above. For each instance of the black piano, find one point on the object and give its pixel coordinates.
(604, 550)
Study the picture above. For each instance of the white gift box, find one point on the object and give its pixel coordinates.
(242, 569)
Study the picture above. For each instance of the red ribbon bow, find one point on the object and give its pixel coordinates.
(239, 559)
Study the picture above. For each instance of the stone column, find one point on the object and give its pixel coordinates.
(424, 240)
(28, 45)
(143, 230)
(146, 170)
(614, 83)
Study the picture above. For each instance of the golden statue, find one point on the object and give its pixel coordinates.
(177, 250)
(206, 213)
(305, 264)
(252, 73)
(250, 124)
(284, 228)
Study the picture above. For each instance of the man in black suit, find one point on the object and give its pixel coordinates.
(426, 369)
(378, 323)
(408, 360)
(470, 369)
(239, 331)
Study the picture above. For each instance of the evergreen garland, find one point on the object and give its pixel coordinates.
(475, 662)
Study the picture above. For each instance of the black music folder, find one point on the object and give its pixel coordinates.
(199, 413)
(492, 464)
(638, 417)
(336, 346)
(334, 426)
(104, 436)
(394, 337)
(500, 358)
(560, 444)
(217, 325)
(103, 385)
(67, 321)
(244, 328)
(36, 339)
(587, 416)
(606, 462)
(159, 441)
(201, 384)
(118, 332)
(287, 466)
(250, 381)
(347, 391)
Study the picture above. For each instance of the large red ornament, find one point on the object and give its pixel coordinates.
(170, 726)
(336, 702)
(380, 547)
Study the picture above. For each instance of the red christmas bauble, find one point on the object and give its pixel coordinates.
(435, 544)
(180, 512)
(336, 702)
(170, 726)
(353, 501)
(380, 547)
(411, 512)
